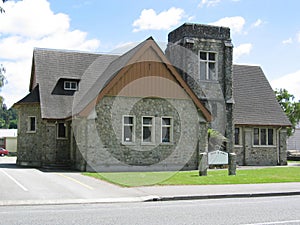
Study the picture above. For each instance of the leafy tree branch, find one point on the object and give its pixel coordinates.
(1, 9)
(290, 107)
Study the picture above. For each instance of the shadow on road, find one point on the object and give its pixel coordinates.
(8, 162)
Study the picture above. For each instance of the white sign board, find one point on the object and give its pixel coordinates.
(217, 158)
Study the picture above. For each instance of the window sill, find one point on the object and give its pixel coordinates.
(167, 143)
(31, 132)
(264, 146)
(209, 81)
(62, 138)
(128, 143)
(238, 146)
(148, 143)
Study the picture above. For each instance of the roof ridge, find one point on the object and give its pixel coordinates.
(249, 65)
(73, 51)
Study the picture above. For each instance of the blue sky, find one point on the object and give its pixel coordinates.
(264, 32)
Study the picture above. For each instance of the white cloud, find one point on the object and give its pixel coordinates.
(290, 82)
(243, 49)
(208, 3)
(191, 18)
(28, 24)
(150, 20)
(236, 24)
(257, 23)
(121, 48)
(32, 18)
(287, 41)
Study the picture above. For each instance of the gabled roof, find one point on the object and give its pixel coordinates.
(96, 72)
(255, 101)
(32, 97)
(83, 99)
(112, 74)
(51, 65)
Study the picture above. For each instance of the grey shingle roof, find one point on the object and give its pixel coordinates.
(255, 101)
(51, 65)
(32, 97)
(84, 98)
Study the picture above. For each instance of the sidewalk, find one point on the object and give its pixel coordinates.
(187, 192)
(116, 194)
(74, 188)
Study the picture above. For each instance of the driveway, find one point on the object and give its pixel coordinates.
(32, 186)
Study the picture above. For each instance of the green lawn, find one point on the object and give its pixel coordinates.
(251, 176)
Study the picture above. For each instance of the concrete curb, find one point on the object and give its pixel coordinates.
(78, 201)
(223, 196)
(149, 198)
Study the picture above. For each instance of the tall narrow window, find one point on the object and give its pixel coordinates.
(128, 129)
(166, 130)
(208, 65)
(263, 137)
(237, 140)
(61, 130)
(147, 130)
(31, 124)
(270, 137)
(256, 136)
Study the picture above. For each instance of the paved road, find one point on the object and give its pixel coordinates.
(32, 186)
(254, 211)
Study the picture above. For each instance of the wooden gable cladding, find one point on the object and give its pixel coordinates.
(148, 79)
(151, 73)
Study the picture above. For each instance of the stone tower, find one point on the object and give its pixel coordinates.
(203, 56)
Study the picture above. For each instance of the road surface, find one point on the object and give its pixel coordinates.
(254, 211)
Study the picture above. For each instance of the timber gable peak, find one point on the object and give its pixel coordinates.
(146, 61)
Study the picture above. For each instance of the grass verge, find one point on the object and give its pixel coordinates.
(251, 176)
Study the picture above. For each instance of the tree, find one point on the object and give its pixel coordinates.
(2, 68)
(1, 9)
(290, 107)
(8, 118)
(2, 81)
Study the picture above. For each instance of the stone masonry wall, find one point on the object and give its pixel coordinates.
(239, 151)
(183, 48)
(104, 151)
(261, 156)
(41, 147)
(282, 147)
(256, 155)
(29, 143)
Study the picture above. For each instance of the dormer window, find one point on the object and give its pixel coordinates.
(70, 85)
(208, 65)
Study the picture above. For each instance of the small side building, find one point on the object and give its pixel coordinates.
(8, 140)
(260, 124)
(293, 142)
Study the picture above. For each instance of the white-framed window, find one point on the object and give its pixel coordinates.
(128, 131)
(166, 129)
(31, 125)
(148, 134)
(61, 130)
(263, 136)
(70, 85)
(237, 136)
(208, 65)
